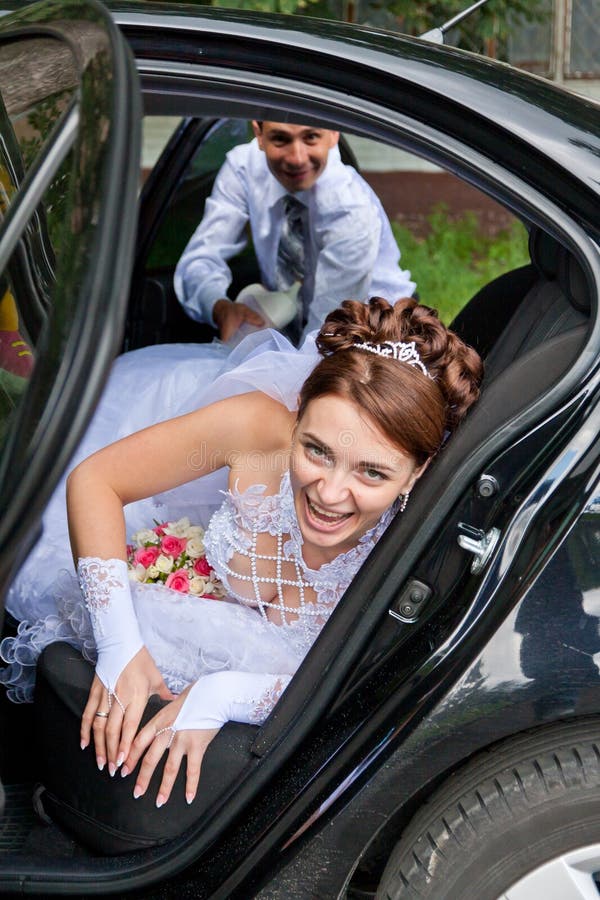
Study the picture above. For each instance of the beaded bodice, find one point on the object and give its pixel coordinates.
(254, 544)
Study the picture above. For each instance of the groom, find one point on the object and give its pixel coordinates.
(313, 220)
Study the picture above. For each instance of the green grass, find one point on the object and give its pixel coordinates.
(455, 259)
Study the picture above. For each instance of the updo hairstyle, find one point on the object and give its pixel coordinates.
(413, 410)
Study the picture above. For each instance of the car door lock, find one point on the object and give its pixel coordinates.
(409, 605)
(478, 542)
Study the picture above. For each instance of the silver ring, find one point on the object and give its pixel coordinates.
(102, 715)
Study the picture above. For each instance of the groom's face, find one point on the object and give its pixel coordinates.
(296, 154)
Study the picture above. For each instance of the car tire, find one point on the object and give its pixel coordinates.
(520, 821)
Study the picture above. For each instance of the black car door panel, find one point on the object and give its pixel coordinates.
(61, 138)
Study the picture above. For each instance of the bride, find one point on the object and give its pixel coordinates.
(319, 454)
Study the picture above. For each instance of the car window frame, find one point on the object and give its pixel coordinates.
(49, 422)
(205, 88)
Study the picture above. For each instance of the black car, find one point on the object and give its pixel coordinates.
(442, 737)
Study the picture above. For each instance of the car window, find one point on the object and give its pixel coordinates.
(156, 133)
(187, 203)
(38, 79)
(58, 318)
(16, 356)
(453, 238)
(35, 97)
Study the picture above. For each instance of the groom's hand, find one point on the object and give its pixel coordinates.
(228, 317)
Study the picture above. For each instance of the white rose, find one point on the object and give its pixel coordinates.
(194, 548)
(137, 573)
(145, 536)
(152, 572)
(178, 528)
(197, 585)
(195, 531)
(164, 564)
(219, 590)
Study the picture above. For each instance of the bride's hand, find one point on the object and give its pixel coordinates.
(157, 736)
(114, 724)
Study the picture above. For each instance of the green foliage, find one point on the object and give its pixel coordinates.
(40, 120)
(272, 6)
(492, 20)
(456, 259)
(12, 388)
(486, 30)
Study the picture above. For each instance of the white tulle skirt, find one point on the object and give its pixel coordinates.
(187, 637)
(145, 387)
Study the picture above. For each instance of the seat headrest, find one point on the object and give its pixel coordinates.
(555, 262)
(572, 280)
(544, 251)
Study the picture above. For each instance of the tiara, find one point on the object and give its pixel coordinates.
(403, 351)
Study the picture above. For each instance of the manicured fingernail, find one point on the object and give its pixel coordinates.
(189, 798)
(124, 771)
(160, 801)
(137, 792)
(83, 745)
(112, 769)
(100, 762)
(120, 759)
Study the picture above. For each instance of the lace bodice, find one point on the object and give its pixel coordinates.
(277, 581)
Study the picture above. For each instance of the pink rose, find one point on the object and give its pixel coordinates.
(201, 567)
(160, 529)
(146, 556)
(178, 581)
(172, 546)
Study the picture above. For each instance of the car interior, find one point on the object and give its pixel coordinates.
(530, 324)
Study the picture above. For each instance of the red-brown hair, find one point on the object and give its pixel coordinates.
(413, 410)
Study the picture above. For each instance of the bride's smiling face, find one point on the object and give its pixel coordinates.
(345, 473)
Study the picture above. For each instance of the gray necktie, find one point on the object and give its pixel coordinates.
(290, 252)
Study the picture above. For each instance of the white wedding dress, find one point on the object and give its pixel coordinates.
(246, 647)
(145, 387)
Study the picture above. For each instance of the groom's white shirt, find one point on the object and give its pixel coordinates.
(350, 249)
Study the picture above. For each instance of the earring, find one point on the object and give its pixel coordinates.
(404, 501)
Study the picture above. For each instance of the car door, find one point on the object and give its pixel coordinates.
(69, 161)
(420, 572)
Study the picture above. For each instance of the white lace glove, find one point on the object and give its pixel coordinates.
(230, 697)
(107, 594)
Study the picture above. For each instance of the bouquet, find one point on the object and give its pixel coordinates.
(172, 553)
